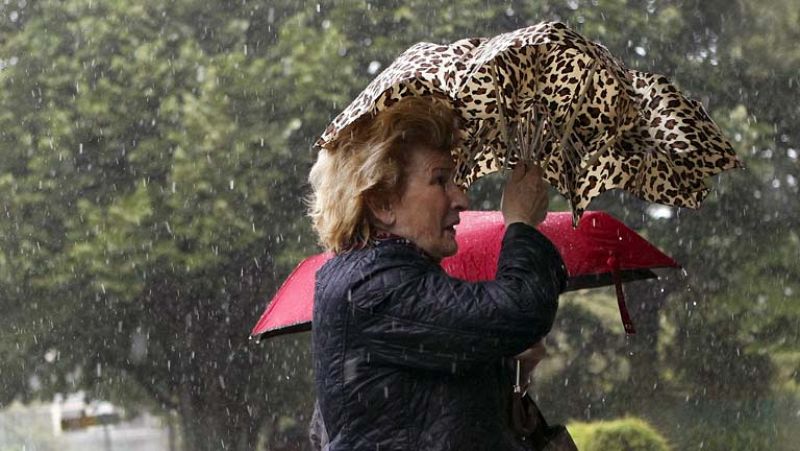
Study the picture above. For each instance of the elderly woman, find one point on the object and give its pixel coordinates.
(407, 357)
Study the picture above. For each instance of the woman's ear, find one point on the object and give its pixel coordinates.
(382, 212)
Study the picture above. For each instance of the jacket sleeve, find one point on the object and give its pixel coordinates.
(415, 315)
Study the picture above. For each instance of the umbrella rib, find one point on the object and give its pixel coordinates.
(534, 140)
(481, 140)
(521, 144)
(580, 99)
(565, 136)
(410, 86)
(537, 143)
(639, 179)
(591, 158)
(527, 137)
(502, 115)
(524, 136)
(672, 165)
(549, 135)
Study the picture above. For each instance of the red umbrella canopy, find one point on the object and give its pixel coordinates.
(600, 251)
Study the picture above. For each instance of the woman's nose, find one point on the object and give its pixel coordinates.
(459, 200)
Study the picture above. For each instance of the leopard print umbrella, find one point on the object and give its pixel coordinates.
(545, 94)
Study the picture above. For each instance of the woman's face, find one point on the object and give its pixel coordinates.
(429, 204)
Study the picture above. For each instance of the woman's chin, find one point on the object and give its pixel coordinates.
(449, 249)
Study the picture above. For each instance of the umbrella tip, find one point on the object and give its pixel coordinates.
(576, 217)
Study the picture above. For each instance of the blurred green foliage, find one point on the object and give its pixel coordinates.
(153, 158)
(625, 434)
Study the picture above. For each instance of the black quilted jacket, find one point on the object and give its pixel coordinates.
(409, 358)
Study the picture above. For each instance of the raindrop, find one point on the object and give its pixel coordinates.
(373, 67)
(656, 211)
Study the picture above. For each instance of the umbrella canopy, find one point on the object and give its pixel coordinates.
(600, 251)
(548, 95)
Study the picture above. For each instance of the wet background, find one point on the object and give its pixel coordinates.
(153, 158)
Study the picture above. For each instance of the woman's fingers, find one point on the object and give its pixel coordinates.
(525, 196)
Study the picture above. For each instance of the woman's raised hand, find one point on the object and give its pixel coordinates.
(525, 196)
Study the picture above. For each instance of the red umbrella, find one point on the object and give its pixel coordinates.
(600, 251)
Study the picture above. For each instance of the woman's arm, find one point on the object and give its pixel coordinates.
(416, 315)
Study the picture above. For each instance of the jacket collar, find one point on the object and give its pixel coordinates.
(384, 238)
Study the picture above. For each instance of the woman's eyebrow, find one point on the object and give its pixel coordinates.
(443, 169)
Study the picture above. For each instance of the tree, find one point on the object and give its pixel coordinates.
(152, 166)
(151, 196)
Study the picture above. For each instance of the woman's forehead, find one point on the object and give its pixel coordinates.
(424, 157)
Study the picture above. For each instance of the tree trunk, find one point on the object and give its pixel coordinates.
(645, 304)
(215, 415)
(204, 426)
(645, 300)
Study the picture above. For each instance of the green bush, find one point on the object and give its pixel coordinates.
(626, 434)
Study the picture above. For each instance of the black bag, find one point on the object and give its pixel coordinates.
(527, 421)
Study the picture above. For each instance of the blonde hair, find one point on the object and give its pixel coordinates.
(366, 163)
